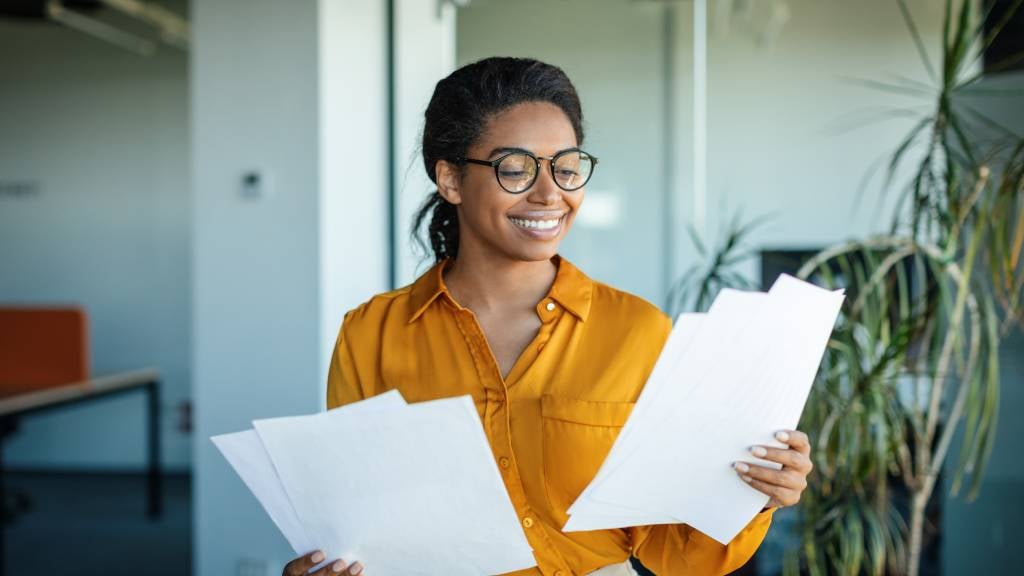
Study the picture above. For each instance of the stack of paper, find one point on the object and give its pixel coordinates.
(724, 381)
(403, 489)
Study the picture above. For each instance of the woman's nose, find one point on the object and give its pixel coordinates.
(544, 190)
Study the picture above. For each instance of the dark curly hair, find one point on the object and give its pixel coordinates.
(456, 117)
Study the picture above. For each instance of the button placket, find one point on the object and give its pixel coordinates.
(497, 422)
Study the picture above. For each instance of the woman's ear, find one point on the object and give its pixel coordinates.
(448, 176)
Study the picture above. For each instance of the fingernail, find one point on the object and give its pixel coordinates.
(338, 566)
(317, 557)
(746, 479)
(758, 451)
(782, 436)
(741, 466)
(356, 568)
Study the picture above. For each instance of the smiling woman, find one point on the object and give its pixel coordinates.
(553, 360)
(472, 118)
(517, 210)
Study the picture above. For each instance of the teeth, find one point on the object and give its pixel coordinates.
(535, 224)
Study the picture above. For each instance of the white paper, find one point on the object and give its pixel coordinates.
(588, 514)
(402, 489)
(245, 452)
(745, 374)
(687, 354)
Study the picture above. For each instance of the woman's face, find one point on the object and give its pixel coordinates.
(527, 226)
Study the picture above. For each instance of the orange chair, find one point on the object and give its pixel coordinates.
(42, 348)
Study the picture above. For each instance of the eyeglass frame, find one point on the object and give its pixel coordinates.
(536, 160)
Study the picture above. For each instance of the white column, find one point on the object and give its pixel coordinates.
(291, 93)
(700, 114)
(424, 54)
(353, 162)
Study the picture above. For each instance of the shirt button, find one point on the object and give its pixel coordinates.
(559, 573)
(550, 306)
(503, 462)
(527, 522)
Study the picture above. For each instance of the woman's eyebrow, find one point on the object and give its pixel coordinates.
(503, 149)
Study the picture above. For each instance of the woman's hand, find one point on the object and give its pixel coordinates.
(785, 485)
(301, 566)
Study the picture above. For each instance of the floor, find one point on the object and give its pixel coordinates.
(95, 524)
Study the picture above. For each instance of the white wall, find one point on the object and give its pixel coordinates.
(105, 135)
(775, 113)
(424, 54)
(787, 130)
(295, 91)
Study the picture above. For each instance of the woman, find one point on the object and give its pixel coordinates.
(553, 359)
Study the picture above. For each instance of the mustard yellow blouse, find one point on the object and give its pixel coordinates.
(551, 422)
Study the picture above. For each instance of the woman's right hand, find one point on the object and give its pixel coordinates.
(301, 566)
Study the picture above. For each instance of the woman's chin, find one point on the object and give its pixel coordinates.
(536, 253)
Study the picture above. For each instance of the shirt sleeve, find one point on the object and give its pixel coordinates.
(680, 549)
(343, 383)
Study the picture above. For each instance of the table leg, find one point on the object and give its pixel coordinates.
(3, 521)
(154, 491)
(6, 425)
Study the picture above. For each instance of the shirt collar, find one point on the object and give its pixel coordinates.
(572, 289)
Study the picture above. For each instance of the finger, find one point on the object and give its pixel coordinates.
(780, 496)
(787, 457)
(783, 478)
(796, 440)
(355, 569)
(332, 569)
(302, 564)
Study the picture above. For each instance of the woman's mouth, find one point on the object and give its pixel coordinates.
(539, 227)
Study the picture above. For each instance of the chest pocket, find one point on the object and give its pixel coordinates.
(577, 435)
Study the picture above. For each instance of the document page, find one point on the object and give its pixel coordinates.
(743, 373)
(403, 489)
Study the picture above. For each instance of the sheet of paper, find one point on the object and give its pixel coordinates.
(589, 514)
(746, 375)
(687, 354)
(411, 490)
(245, 453)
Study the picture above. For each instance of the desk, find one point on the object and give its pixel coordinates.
(15, 404)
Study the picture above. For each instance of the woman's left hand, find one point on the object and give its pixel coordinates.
(785, 485)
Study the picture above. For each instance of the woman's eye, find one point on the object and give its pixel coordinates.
(567, 173)
(512, 173)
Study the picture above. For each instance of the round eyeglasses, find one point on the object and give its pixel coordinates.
(517, 169)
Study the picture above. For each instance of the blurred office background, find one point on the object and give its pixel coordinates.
(215, 182)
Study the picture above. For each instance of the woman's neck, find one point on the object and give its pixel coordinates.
(484, 283)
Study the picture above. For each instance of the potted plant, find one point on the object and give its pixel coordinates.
(913, 362)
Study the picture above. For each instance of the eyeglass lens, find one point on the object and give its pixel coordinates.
(571, 170)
